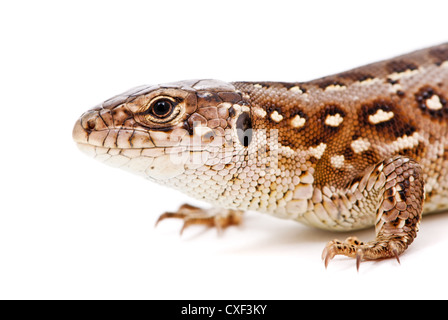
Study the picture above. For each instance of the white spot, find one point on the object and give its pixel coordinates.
(286, 150)
(258, 86)
(360, 145)
(337, 161)
(260, 112)
(434, 103)
(277, 117)
(445, 64)
(335, 87)
(405, 142)
(369, 81)
(296, 89)
(380, 116)
(242, 108)
(334, 120)
(318, 151)
(405, 74)
(298, 121)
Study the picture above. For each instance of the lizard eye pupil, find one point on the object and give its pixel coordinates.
(162, 108)
(244, 128)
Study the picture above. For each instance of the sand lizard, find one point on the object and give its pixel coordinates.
(366, 147)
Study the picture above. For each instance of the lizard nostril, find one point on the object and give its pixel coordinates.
(91, 123)
(89, 120)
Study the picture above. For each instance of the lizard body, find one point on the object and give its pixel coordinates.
(357, 149)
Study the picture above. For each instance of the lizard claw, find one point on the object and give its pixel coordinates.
(359, 256)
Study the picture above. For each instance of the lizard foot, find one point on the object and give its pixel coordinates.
(214, 217)
(390, 247)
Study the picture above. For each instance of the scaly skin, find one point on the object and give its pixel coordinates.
(344, 152)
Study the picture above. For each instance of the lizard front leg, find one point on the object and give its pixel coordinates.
(214, 217)
(398, 185)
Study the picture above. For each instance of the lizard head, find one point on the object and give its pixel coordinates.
(170, 133)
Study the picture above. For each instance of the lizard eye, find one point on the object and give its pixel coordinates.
(244, 128)
(161, 108)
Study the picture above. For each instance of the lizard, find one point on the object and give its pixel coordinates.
(362, 148)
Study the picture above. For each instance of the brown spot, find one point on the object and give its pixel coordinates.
(90, 125)
(313, 160)
(333, 109)
(402, 194)
(392, 81)
(439, 55)
(370, 156)
(389, 192)
(356, 76)
(371, 109)
(397, 126)
(288, 85)
(407, 129)
(415, 153)
(232, 112)
(324, 83)
(274, 114)
(348, 153)
(400, 66)
(120, 112)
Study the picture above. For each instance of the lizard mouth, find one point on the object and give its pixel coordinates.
(156, 155)
(152, 154)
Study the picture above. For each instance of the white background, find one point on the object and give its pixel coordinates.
(74, 228)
